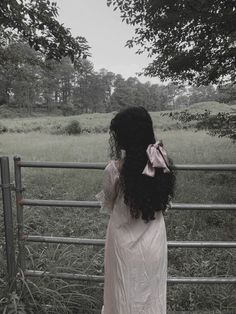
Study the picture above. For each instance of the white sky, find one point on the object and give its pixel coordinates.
(106, 34)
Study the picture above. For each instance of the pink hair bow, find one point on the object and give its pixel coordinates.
(157, 158)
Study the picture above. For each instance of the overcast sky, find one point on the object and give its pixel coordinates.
(106, 34)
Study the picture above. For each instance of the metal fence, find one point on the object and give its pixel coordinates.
(22, 238)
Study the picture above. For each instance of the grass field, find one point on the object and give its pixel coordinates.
(184, 146)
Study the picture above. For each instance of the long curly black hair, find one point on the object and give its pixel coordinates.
(131, 130)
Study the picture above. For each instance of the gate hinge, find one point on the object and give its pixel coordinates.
(7, 186)
(12, 187)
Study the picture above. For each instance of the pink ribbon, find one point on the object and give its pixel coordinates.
(157, 158)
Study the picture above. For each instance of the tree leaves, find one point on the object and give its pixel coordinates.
(188, 40)
(222, 124)
(36, 22)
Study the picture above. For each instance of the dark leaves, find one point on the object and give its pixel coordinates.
(222, 124)
(188, 40)
(36, 22)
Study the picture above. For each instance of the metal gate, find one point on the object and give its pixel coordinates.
(22, 238)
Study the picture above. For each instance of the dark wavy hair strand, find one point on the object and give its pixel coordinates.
(132, 130)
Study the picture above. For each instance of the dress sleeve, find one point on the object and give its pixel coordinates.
(108, 195)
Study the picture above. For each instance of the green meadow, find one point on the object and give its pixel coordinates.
(42, 139)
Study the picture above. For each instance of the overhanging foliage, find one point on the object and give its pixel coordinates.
(36, 22)
(188, 40)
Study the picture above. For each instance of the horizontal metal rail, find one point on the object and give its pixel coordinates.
(206, 167)
(69, 165)
(102, 165)
(101, 242)
(174, 280)
(70, 276)
(95, 204)
(200, 280)
(63, 240)
(60, 203)
(186, 206)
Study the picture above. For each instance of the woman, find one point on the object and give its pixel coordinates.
(137, 189)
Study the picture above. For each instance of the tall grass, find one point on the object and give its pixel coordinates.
(59, 296)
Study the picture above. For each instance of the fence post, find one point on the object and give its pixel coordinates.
(19, 215)
(8, 222)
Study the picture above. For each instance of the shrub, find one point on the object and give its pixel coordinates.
(221, 124)
(101, 129)
(57, 129)
(73, 127)
(3, 128)
(68, 109)
(13, 305)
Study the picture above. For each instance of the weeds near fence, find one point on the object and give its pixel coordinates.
(13, 305)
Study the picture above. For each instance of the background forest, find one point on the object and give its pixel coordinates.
(31, 85)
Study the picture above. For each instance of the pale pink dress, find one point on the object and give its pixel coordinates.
(135, 255)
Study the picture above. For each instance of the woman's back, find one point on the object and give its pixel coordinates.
(136, 191)
(135, 256)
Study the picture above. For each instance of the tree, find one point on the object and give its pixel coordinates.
(121, 96)
(189, 40)
(159, 97)
(107, 82)
(132, 92)
(227, 93)
(202, 93)
(19, 73)
(35, 21)
(28, 82)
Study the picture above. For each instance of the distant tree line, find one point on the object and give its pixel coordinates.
(29, 82)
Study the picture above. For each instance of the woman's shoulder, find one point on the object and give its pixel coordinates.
(115, 165)
(119, 164)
